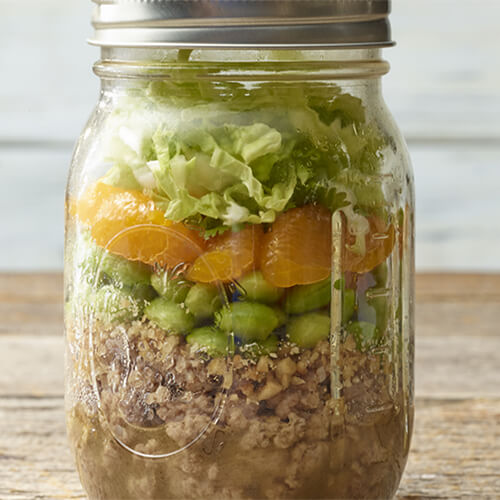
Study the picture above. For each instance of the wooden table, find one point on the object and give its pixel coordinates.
(456, 444)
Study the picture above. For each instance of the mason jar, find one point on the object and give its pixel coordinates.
(239, 256)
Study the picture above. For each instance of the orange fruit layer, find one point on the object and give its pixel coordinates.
(228, 256)
(379, 244)
(297, 250)
(127, 223)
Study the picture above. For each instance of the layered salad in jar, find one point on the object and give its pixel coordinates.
(232, 330)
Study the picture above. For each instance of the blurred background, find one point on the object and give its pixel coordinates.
(444, 90)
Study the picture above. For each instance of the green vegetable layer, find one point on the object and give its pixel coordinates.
(218, 157)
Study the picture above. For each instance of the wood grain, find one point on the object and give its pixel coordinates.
(32, 366)
(455, 450)
(446, 366)
(444, 89)
(469, 304)
(31, 304)
(457, 366)
(460, 287)
(34, 454)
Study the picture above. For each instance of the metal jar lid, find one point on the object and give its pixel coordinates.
(271, 24)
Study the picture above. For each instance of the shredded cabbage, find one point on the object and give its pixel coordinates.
(247, 156)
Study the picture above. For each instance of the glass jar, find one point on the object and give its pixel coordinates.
(239, 277)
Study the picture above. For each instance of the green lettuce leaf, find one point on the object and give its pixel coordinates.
(221, 154)
(212, 173)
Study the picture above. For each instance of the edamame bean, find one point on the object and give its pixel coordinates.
(174, 289)
(88, 263)
(366, 335)
(380, 306)
(305, 298)
(373, 307)
(203, 300)
(171, 317)
(141, 292)
(307, 330)
(380, 274)
(258, 289)
(126, 272)
(112, 304)
(281, 315)
(348, 305)
(348, 300)
(210, 340)
(248, 320)
(99, 267)
(263, 348)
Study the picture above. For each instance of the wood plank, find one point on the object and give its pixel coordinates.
(457, 304)
(455, 450)
(470, 319)
(454, 454)
(460, 287)
(443, 81)
(457, 367)
(32, 366)
(445, 366)
(31, 303)
(447, 304)
(31, 288)
(457, 435)
(34, 453)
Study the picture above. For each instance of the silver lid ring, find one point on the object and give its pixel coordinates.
(272, 24)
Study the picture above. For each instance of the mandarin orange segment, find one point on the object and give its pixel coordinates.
(297, 250)
(128, 223)
(165, 245)
(379, 244)
(228, 256)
